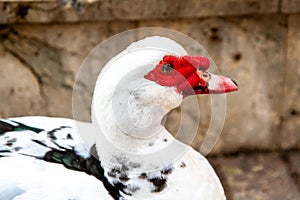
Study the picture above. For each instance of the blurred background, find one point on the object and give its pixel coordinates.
(255, 42)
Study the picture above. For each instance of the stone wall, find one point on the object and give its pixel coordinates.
(256, 42)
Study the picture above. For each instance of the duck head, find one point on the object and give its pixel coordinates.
(189, 75)
(141, 84)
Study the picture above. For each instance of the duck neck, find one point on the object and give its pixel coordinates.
(130, 117)
(127, 111)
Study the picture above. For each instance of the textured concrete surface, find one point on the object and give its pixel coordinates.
(290, 132)
(22, 94)
(293, 164)
(259, 176)
(290, 6)
(52, 55)
(74, 11)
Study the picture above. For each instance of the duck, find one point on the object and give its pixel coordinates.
(125, 152)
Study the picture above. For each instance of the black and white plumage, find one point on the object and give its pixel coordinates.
(45, 158)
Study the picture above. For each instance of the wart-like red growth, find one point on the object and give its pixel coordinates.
(183, 67)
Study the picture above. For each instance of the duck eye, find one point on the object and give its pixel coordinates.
(206, 76)
(166, 68)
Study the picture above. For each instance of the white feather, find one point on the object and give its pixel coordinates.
(23, 177)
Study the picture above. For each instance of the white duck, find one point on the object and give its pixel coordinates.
(127, 153)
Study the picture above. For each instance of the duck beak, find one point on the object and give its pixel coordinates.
(215, 84)
(221, 84)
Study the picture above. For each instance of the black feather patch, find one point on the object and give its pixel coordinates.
(167, 171)
(159, 183)
(23, 127)
(90, 165)
(51, 134)
(7, 127)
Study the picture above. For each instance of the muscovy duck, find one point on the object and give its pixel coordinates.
(134, 157)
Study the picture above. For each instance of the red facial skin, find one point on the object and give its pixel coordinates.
(188, 74)
(183, 75)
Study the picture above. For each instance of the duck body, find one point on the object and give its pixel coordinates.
(44, 158)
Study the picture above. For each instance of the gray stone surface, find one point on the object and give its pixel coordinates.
(256, 177)
(53, 54)
(54, 11)
(46, 63)
(293, 159)
(19, 95)
(290, 6)
(290, 136)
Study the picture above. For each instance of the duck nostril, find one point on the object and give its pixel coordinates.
(235, 83)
